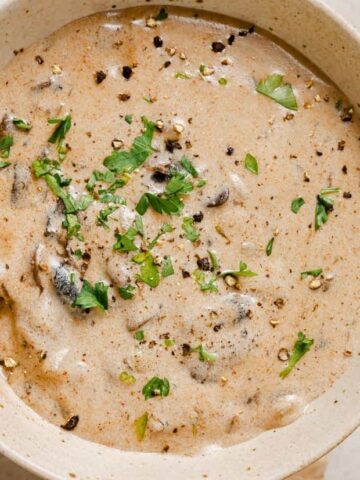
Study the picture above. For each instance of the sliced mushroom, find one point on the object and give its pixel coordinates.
(54, 220)
(220, 198)
(20, 185)
(63, 284)
(6, 124)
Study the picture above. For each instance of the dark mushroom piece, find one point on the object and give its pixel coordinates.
(221, 198)
(65, 288)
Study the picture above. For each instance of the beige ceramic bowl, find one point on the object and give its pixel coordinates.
(334, 47)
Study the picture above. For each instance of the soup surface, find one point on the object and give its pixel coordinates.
(179, 248)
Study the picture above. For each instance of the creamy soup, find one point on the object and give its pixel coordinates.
(180, 248)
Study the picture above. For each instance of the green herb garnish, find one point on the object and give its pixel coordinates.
(103, 217)
(125, 242)
(149, 272)
(242, 272)
(127, 293)
(141, 149)
(162, 15)
(169, 342)
(4, 164)
(126, 378)
(140, 425)
(92, 296)
(222, 81)
(128, 118)
(313, 273)
(183, 76)
(205, 284)
(63, 125)
(189, 167)
(269, 247)
(156, 387)
(301, 346)
(189, 230)
(166, 228)
(139, 335)
(6, 143)
(324, 206)
(22, 124)
(251, 164)
(274, 87)
(204, 355)
(167, 268)
(296, 204)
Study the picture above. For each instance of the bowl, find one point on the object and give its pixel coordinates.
(317, 32)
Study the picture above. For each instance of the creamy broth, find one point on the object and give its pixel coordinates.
(216, 343)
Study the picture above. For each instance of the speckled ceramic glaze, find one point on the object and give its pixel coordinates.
(334, 47)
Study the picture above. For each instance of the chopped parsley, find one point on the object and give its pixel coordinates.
(156, 387)
(149, 272)
(269, 247)
(301, 346)
(126, 378)
(182, 76)
(222, 81)
(92, 296)
(108, 197)
(274, 87)
(141, 149)
(22, 124)
(189, 229)
(162, 15)
(242, 272)
(125, 242)
(140, 425)
(205, 284)
(324, 205)
(313, 273)
(296, 204)
(103, 217)
(166, 228)
(4, 164)
(189, 167)
(204, 355)
(128, 118)
(127, 293)
(6, 143)
(251, 164)
(139, 335)
(63, 125)
(167, 268)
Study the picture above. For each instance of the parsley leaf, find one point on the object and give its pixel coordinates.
(44, 166)
(242, 272)
(178, 185)
(324, 206)
(22, 124)
(189, 167)
(149, 272)
(4, 164)
(127, 293)
(139, 335)
(92, 296)
(103, 217)
(162, 15)
(301, 346)
(140, 425)
(269, 247)
(205, 284)
(251, 164)
(189, 230)
(182, 76)
(126, 378)
(296, 204)
(204, 355)
(156, 387)
(274, 87)
(313, 273)
(72, 225)
(128, 118)
(125, 242)
(6, 143)
(168, 205)
(167, 268)
(107, 197)
(141, 149)
(166, 228)
(63, 125)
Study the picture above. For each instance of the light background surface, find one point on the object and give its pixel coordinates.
(344, 462)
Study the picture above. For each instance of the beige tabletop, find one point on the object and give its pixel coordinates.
(344, 462)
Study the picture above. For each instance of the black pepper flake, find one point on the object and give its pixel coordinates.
(218, 327)
(231, 39)
(344, 170)
(185, 274)
(124, 97)
(198, 217)
(172, 145)
(230, 151)
(318, 153)
(347, 114)
(341, 145)
(347, 195)
(186, 349)
(71, 424)
(204, 264)
(127, 72)
(217, 47)
(167, 64)
(244, 33)
(39, 59)
(159, 177)
(158, 42)
(100, 76)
